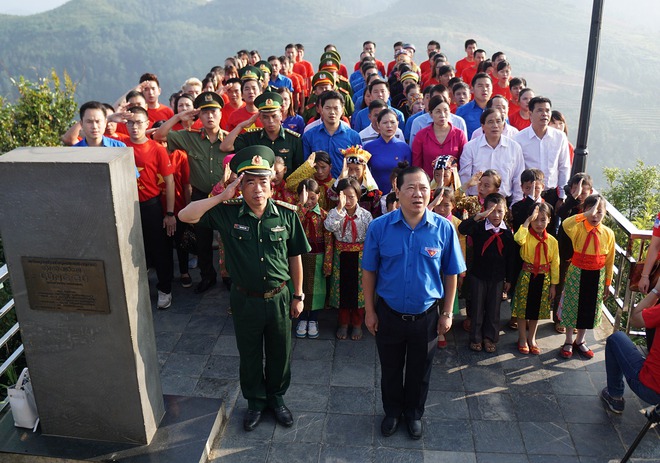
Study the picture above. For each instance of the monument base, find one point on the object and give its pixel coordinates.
(186, 434)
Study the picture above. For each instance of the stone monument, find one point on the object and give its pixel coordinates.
(70, 227)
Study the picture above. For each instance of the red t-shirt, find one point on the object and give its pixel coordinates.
(390, 66)
(468, 74)
(227, 111)
(504, 91)
(179, 161)
(122, 137)
(197, 125)
(153, 164)
(513, 107)
(649, 375)
(121, 127)
(518, 122)
(239, 116)
(425, 67)
(161, 113)
(464, 64)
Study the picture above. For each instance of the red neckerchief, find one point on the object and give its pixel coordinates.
(592, 232)
(542, 244)
(493, 237)
(354, 231)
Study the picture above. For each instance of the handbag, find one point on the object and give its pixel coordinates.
(23, 405)
(636, 273)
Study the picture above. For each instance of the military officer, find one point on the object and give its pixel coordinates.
(284, 142)
(330, 61)
(264, 241)
(322, 82)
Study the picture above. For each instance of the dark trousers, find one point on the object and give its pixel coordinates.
(181, 254)
(408, 345)
(157, 245)
(204, 236)
(486, 300)
(551, 196)
(263, 325)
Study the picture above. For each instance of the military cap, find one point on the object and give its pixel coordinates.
(268, 102)
(264, 66)
(330, 54)
(356, 155)
(250, 73)
(208, 100)
(323, 77)
(254, 159)
(329, 64)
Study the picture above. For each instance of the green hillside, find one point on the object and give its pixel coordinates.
(106, 44)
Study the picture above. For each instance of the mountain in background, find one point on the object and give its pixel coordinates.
(105, 45)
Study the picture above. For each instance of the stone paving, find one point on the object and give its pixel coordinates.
(490, 408)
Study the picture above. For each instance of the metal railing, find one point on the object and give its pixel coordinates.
(9, 335)
(635, 242)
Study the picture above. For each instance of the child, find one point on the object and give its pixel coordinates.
(532, 185)
(443, 204)
(487, 182)
(355, 165)
(588, 277)
(317, 264)
(461, 94)
(348, 222)
(445, 173)
(579, 187)
(280, 191)
(318, 166)
(493, 261)
(391, 201)
(539, 276)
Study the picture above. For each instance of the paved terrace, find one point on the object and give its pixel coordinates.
(503, 407)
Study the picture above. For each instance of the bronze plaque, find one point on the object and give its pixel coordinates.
(66, 285)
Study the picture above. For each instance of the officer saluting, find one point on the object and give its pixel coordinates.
(263, 240)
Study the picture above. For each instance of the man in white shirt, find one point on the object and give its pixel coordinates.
(492, 150)
(546, 148)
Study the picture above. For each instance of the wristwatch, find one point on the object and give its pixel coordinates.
(299, 297)
(447, 314)
(169, 214)
(656, 292)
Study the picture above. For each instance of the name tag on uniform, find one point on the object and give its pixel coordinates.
(432, 251)
(279, 228)
(240, 227)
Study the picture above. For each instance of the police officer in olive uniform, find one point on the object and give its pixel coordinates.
(264, 241)
(330, 61)
(284, 142)
(322, 82)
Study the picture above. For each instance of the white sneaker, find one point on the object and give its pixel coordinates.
(164, 300)
(301, 329)
(313, 330)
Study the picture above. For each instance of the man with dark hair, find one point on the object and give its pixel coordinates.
(93, 121)
(468, 61)
(405, 254)
(299, 63)
(482, 89)
(250, 89)
(276, 78)
(369, 47)
(398, 46)
(261, 302)
(235, 101)
(150, 87)
(330, 136)
(431, 48)
(379, 90)
(158, 226)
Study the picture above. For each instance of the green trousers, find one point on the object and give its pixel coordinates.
(263, 325)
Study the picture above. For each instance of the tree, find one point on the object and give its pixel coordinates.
(43, 112)
(635, 192)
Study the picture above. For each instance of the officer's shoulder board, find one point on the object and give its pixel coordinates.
(343, 90)
(254, 129)
(291, 132)
(194, 130)
(310, 106)
(233, 201)
(291, 207)
(344, 79)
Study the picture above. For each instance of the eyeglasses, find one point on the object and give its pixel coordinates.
(132, 123)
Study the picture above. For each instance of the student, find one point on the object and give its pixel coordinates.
(378, 90)
(589, 276)
(317, 264)
(279, 188)
(93, 120)
(318, 166)
(278, 80)
(348, 222)
(491, 272)
(292, 121)
(250, 90)
(482, 88)
(521, 118)
(355, 166)
(532, 185)
(461, 94)
(516, 84)
(503, 74)
(479, 59)
(151, 91)
(234, 101)
(468, 61)
(535, 289)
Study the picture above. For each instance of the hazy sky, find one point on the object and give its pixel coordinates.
(30, 7)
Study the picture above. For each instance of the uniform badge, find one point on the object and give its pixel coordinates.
(283, 150)
(279, 228)
(238, 226)
(256, 160)
(208, 97)
(269, 102)
(431, 251)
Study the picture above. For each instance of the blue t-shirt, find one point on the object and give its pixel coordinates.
(471, 113)
(317, 138)
(295, 123)
(410, 263)
(360, 119)
(106, 142)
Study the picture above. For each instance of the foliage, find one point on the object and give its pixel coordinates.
(635, 192)
(43, 112)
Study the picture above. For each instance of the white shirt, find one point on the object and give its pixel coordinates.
(426, 119)
(509, 131)
(548, 154)
(506, 158)
(369, 134)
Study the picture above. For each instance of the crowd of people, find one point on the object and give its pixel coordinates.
(354, 156)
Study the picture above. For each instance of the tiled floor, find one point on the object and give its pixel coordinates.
(503, 407)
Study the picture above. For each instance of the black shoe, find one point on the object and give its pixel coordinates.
(204, 285)
(251, 419)
(227, 282)
(389, 426)
(415, 429)
(283, 416)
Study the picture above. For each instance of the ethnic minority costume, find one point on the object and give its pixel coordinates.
(346, 278)
(317, 264)
(282, 193)
(589, 273)
(307, 171)
(540, 255)
(455, 221)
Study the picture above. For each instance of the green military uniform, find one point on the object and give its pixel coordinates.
(287, 145)
(325, 77)
(257, 252)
